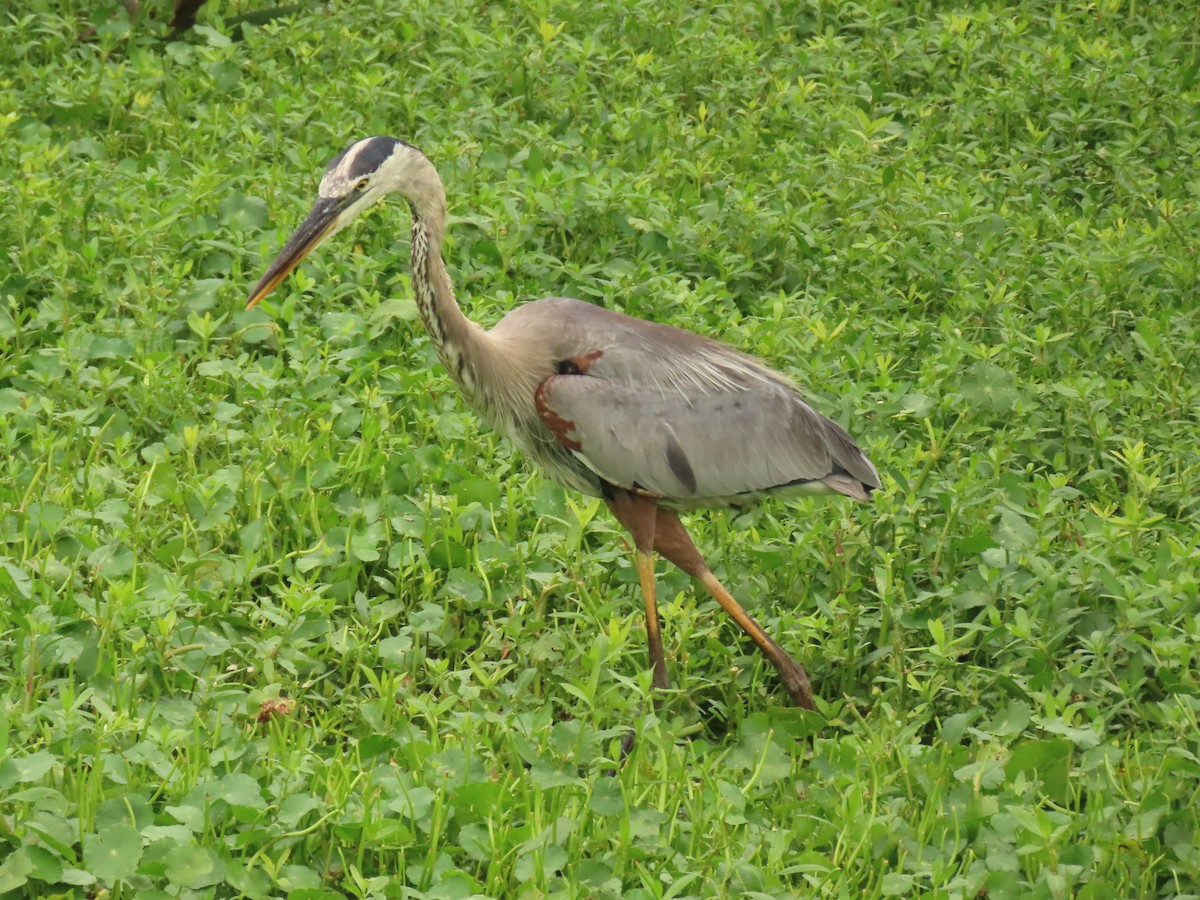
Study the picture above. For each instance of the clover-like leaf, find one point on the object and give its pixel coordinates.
(113, 854)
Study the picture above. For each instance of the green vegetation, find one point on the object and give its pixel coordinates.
(278, 617)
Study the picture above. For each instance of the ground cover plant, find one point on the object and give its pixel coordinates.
(280, 618)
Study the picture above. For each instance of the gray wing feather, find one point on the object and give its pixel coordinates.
(676, 413)
(711, 444)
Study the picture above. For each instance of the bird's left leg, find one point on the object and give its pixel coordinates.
(638, 514)
(674, 543)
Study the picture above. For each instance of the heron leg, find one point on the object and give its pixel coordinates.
(673, 542)
(638, 515)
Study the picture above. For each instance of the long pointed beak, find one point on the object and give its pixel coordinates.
(320, 222)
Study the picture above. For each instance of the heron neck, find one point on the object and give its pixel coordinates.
(458, 341)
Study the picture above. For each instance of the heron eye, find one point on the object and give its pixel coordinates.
(362, 185)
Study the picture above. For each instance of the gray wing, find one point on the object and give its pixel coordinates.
(718, 428)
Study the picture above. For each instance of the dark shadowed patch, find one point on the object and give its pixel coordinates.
(795, 482)
(680, 467)
(577, 365)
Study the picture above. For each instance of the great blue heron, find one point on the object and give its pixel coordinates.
(652, 419)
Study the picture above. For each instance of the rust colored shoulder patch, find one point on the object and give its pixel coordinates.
(559, 427)
(577, 365)
(585, 362)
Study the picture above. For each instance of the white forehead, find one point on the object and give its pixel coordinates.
(358, 161)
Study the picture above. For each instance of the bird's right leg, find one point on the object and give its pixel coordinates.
(638, 514)
(674, 543)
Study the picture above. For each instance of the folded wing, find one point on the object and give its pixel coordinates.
(742, 431)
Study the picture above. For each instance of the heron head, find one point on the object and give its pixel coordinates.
(354, 181)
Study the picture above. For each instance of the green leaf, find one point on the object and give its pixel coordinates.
(759, 752)
(476, 800)
(15, 871)
(46, 866)
(396, 651)
(241, 212)
(192, 817)
(113, 854)
(193, 866)
(240, 789)
(1012, 720)
(253, 882)
(1084, 738)
(1014, 533)
(546, 777)
(14, 581)
(298, 878)
(607, 798)
(77, 877)
(102, 347)
(128, 809)
(363, 545)
(34, 766)
(296, 807)
(990, 386)
(414, 803)
(213, 37)
(428, 619)
(475, 841)
(1048, 761)
(403, 309)
(1144, 825)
